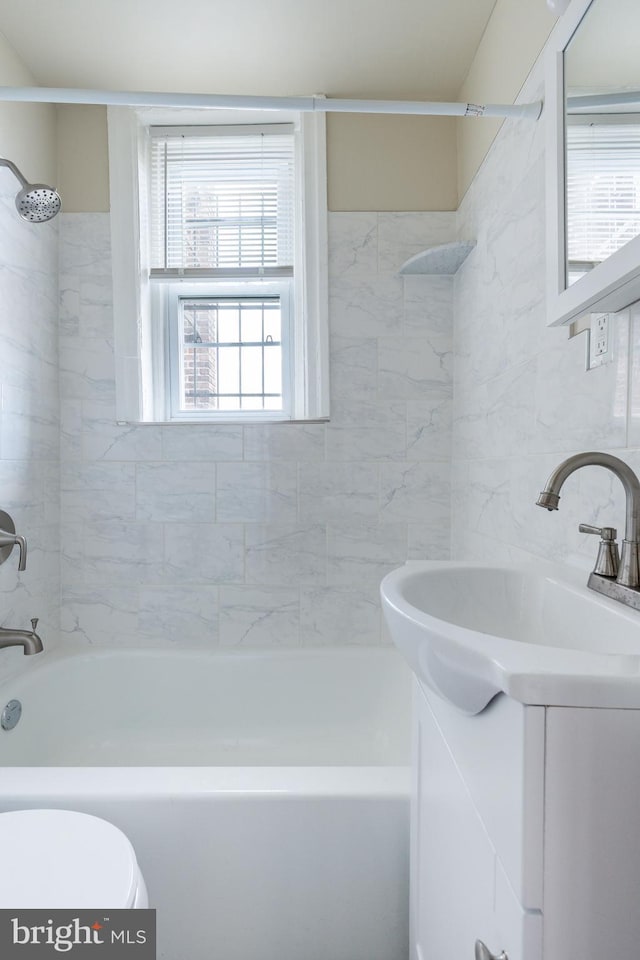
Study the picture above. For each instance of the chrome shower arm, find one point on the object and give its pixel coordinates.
(14, 171)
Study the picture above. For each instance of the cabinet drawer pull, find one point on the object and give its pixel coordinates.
(483, 953)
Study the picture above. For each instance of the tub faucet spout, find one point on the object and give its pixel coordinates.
(27, 639)
(625, 587)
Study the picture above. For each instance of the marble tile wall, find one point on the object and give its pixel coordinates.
(255, 535)
(29, 421)
(523, 400)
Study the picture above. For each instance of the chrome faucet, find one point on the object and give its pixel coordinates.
(619, 580)
(27, 639)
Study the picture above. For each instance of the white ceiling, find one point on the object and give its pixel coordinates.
(360, 48)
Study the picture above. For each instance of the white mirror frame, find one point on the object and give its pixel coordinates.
(614, 283)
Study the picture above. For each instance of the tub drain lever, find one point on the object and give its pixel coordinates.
(483, 953)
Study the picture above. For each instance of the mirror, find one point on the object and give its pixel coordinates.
(602, 135)
(593, 81)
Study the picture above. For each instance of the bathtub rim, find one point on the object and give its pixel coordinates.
(57, 783)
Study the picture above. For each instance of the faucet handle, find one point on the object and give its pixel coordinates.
(605, 533)
(608, 560)
(10, 539)
(34, 623)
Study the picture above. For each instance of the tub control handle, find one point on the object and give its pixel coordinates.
(10, 539)
(483, 953)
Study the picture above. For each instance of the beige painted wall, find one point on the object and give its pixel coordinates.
(27, 130)
(391, 162)
(83, 159)
(516, 33)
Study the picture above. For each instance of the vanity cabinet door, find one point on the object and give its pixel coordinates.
(499, 754)
(459, 890)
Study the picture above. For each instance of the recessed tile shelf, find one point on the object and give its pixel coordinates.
(447, 258)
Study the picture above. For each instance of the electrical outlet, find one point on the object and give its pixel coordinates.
(601, 331)
(599, 352)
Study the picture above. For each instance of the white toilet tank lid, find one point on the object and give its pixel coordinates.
(64, 859)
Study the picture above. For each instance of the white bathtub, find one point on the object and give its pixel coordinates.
(265, 793)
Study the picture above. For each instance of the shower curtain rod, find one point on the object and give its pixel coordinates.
(529, 111)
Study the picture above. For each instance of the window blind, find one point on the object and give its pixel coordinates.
(222, 200)
(603, 189)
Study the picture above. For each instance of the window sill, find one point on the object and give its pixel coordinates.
(215, 423)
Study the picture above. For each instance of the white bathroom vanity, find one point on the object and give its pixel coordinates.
(526, 775)
(525, 831)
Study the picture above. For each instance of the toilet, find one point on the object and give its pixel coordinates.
(68, 860)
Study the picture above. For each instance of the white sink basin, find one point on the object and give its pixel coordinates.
(471, 630)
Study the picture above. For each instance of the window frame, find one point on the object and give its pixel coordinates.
(140, 318)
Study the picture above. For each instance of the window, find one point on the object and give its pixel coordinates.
(603, 189)
(219, 245)
(222, 209)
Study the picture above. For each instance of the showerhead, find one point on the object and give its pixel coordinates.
(36, 202)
